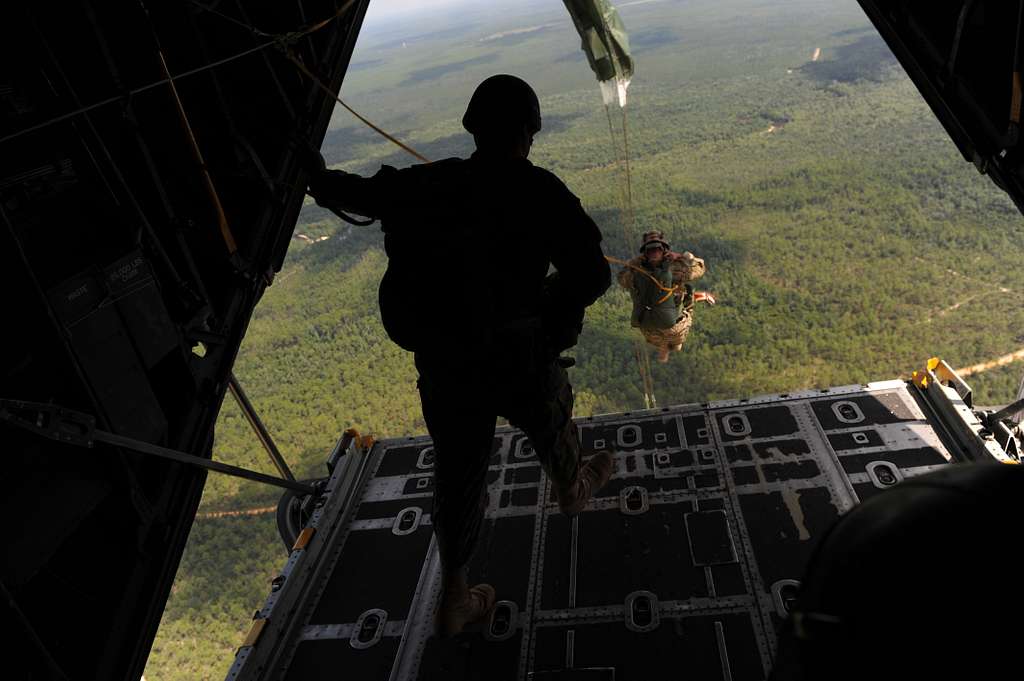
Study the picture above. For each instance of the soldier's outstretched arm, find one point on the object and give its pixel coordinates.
(625, 276)
(337, 190)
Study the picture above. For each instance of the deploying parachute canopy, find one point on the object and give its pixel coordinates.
(606, 45)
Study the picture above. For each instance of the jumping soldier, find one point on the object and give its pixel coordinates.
(658, 282)
(486, 339)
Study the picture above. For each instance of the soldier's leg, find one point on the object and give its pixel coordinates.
(462, 438)
(462, 431)
(676, 336)
(655, 337)
(544, 412)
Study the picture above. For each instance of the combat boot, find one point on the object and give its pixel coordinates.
(592, 477)
(461, 604)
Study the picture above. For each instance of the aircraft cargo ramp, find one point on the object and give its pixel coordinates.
(686, 560)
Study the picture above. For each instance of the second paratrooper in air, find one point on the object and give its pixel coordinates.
(658, 281)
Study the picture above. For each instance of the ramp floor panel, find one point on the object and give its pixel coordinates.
(686, 561)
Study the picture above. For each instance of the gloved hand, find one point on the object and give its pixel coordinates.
(311, 159)
(563, 333)
(705, 296)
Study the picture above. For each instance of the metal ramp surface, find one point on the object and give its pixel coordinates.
(684, 564)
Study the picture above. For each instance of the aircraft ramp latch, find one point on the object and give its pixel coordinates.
(979, 435)
(1003, 429)
(294, 509)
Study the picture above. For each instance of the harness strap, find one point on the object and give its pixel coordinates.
(669, 291)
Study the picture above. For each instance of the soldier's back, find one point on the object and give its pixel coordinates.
(479, 233)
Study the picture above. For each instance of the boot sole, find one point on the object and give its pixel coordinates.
(572, 510)
(443, 631)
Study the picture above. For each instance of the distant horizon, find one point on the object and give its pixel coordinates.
(381, 9)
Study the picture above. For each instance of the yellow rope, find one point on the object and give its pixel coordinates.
(197, 154)
(302, 67)
(669, 291)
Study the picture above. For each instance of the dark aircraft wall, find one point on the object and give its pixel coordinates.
(966, 59)
(115, 262)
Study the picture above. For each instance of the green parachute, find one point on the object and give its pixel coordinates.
(606, 44)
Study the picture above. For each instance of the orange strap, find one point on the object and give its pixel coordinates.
(669, 292)
(319, 83)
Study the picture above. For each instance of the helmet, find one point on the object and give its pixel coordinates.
(502, 103)
(654, 238)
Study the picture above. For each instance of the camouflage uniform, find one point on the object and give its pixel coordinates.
(686, 267)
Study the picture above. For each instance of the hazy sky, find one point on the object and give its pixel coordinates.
(386, 9)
